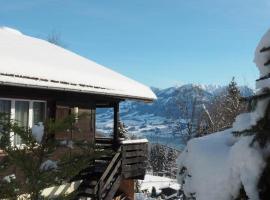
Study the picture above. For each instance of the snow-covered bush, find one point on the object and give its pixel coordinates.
(215, 166)
(234, 164)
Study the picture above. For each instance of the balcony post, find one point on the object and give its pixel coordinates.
(115, 123)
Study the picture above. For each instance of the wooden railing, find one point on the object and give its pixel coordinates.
(110, 180)
(128, 162)
(134, 158)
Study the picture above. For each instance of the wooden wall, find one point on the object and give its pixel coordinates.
(127, 187)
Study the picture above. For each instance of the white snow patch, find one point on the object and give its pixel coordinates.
(245, 121)
(10, 30)
(218, 164)
(9, 178)
(38, 131)
(262, 57)
(263, 83)
(142, 196)
(48, 165)
(139, 141)
(158, 182)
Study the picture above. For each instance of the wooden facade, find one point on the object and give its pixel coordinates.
(129, 160)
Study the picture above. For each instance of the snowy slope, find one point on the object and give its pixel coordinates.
(37, 63)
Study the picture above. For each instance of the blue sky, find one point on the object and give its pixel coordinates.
(158, 42)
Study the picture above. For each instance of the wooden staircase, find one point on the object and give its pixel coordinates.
(101, 180)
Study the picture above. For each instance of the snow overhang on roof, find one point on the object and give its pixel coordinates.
(31, 62)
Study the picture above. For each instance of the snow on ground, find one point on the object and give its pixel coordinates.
(142, 196)
(158, 182)
(218, 164)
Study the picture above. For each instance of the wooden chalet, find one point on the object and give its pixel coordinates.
(39, 80)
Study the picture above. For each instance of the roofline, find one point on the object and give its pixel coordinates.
(125, 97)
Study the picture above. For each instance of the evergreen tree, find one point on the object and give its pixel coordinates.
(232, 105)
(39, 164)
(157, 158)
(170, 165)
(222, 111)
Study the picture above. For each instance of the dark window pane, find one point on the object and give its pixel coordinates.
(38, 112)
(5, 107)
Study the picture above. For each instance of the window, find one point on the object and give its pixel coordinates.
(25, 112)
(21, 117)
(5, 108)
(38, 112)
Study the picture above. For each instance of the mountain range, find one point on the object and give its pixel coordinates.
(157, 120)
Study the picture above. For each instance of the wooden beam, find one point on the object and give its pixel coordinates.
(82, 100)
(115, 123)
(135, 147)
(51, 109)
(134, 160)
(135, 173)
(128, 154)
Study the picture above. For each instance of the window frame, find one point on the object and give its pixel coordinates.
(30, 113)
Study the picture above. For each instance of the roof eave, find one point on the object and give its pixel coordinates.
(120, 96)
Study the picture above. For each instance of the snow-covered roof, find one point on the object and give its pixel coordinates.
(32, 62)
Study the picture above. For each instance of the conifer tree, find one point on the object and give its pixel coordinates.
(34, 166)
(222, 111)
(157, 158)
(170, 165)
